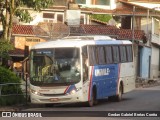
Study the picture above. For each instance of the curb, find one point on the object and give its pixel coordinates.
(13, 108)
(147, 83)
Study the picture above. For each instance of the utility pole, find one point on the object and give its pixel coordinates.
(133, 19)
(134, 47)
(148, 39)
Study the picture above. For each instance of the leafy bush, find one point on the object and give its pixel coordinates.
(7, 76)
(101, 17)
(5, 46)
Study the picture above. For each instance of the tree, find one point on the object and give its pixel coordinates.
(11, 8)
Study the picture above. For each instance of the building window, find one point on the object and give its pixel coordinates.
(48, 15)
(82, 19)
(60, 2)
(100, 2)
(60, 18)
(80, 1)
(32, 40)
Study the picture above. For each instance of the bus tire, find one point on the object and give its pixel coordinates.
(111, 98)
(93, 101)
(118, 97)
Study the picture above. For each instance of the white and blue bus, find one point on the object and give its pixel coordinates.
(81, 69)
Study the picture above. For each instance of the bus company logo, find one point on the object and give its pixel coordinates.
(102, 72)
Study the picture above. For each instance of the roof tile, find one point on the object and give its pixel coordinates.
(82, 30)
(23, 29)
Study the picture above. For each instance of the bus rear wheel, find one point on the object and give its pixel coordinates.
(118, 97)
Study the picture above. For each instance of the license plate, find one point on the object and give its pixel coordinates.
(54, 99)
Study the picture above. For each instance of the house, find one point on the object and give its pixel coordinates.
(58, 12)
(104, 4)
(146, 17)
(23, 38)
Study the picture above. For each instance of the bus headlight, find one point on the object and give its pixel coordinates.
(35, 92)
(74, 91)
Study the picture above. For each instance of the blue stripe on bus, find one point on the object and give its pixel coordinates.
(70, 88)
(105, 78)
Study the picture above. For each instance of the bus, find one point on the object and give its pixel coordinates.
(81, 69)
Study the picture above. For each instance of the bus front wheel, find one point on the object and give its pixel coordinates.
(93, 101)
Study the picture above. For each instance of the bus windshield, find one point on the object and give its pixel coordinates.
(58, 66)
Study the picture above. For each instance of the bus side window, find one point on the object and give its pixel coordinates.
(92, 55)
(116, 57)
(129, 53)
(85, 63)
(123, 55)
(100, 55)
(108, 54)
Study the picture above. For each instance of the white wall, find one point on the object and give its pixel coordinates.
(37, 17)
(111, 6)
(153, 38)
(144, 24)
(155, 28)
(155, 62)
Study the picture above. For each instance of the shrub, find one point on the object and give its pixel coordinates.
(7, 76)
(101, 17)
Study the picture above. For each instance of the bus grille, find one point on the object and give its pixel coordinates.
(52, 95)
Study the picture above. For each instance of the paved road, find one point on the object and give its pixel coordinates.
(141, 99)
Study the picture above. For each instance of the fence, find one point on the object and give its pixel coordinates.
(23, 92)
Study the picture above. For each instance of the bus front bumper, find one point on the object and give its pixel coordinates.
(68, 98)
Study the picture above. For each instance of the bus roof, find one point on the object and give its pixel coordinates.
(79, 41)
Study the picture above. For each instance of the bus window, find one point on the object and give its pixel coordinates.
(100, 54)
(92, 55)
(58, 66)
(85, 63)
(129, 53)
(123, 53)
(108, 53)
(115, 54)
